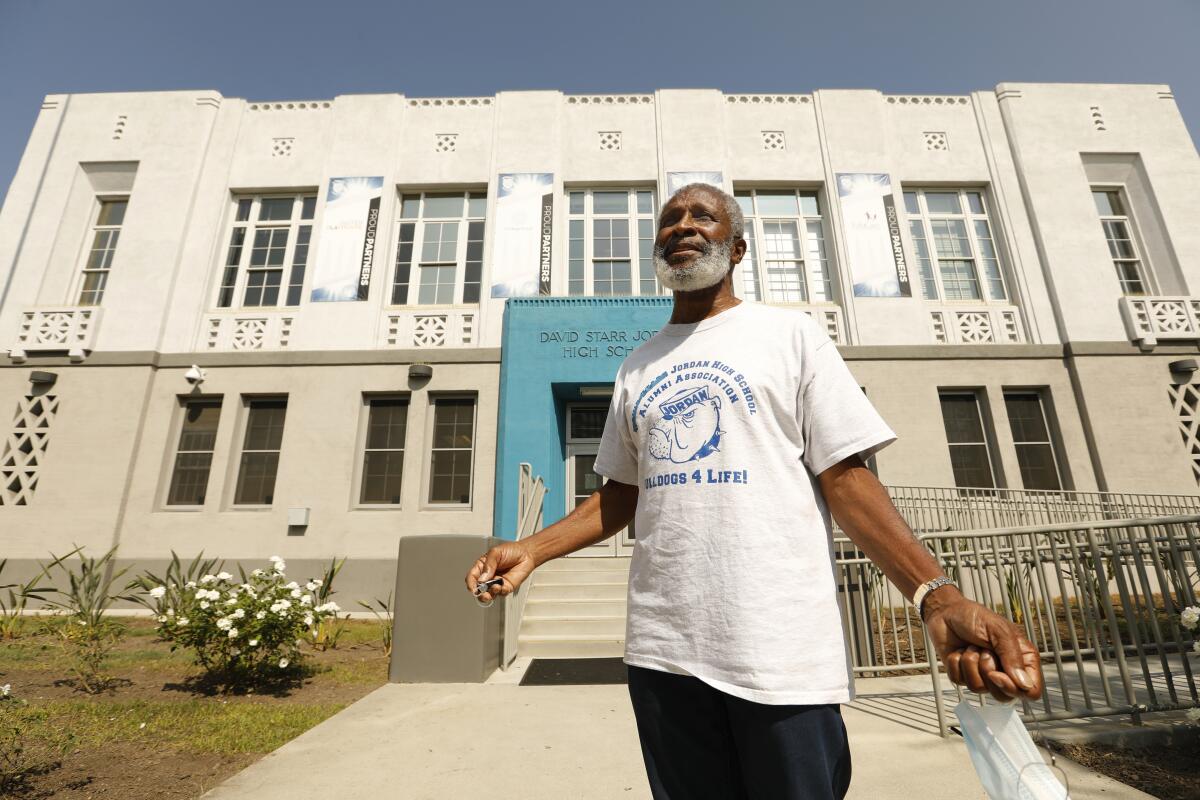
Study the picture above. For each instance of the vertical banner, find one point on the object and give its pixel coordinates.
(523, 241)
(877, 265)
(678, 180)
(346, 247)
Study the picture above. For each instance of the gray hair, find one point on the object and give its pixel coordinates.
(729, 205)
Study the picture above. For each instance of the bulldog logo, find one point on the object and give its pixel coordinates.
(690, 427)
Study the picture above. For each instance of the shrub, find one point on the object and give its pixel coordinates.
(23, 755)
(241, 634)
(382, 609)
(325, 635)
(13, 603)
(87, 635)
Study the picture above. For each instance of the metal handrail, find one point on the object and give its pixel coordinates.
(531, 493)
(1100, 599)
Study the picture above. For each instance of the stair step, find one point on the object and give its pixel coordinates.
(595, 627)
(584, 607)
(577, 591)
(582, 576)
(569, 647)
(585, 564)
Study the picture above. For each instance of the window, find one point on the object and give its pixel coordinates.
(193, 457)
(785, 247)
(444, 232)
(269, 233)
(453, 447)
(611, 242)
(105, 234)
(962, 254)
(1031, 436)
(1119, 233)
(383, 452)
(260, 452)
(969, 455)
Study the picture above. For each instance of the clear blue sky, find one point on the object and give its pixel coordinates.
(302, 49)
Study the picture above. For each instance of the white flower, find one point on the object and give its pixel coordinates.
(170, 612)
(254, 642)
(291, 585)
(141, 726)
(312, 587)
(224, 623)
(306, 600)
(260, 615)
(1193, 715)
(163, 618)
(280, 566)
(296, 593)
(207, 579)
(326, 608)
(308, 620)
(190, 585)
(233, 632)
(204, 604)
(233, 651)
(273, 559)
(283, 662)
(6, 690)
(158, 591)
(1190, 617)
(224, 576)
(257, 573)
(231, 601)
(182, 621)
(238, 613)
(318, 581)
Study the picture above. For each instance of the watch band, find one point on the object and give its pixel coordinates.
(923, 591)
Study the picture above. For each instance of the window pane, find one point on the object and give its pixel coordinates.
(588, 423)
(970, 466)
(911, 205)
(975, 202)
(1038, 470)
(450, 477)
(387, 423)
(809, 206)
(1108, 204)
(410, 206)
(197, 437)
(645, 202)
(243, 209)
(576, 202)
(383, 473)
(942, 202)
(443, 205)
(746, 201)
(112, 212)
(189, 481)
(199, 429)
(453, 423)
(309, 207)
(476, 205)
(276, 209)
(256, 479)
(1025, 417)
(610, 202)
(960, 414)
(264, 425)
(777, 202)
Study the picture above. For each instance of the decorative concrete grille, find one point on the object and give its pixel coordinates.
(445, 142)
(25, 448)
(304, 105)
(975, 327)
(56, 329)
(936, 140)
(609, 99)
(468, 328)
(1185, 399)
(429, 331)
(1150, 318)
(248, 333)
(938, 320)
(610, 140)
(281, 147)
(768, 99)
(773, 140)
(119, 127)
(458, 102)
(1097, 119)
(927, 100)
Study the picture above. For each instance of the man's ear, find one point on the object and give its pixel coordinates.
(738, 252)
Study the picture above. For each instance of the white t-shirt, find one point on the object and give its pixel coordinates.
(722, 425)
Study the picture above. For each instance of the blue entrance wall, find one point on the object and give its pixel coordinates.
(552, 347)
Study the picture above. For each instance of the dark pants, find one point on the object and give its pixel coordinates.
(699, 742)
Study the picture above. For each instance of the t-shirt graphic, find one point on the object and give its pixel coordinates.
(723, 425)
(690, 426)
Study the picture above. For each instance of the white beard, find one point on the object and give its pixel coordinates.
(707, 270)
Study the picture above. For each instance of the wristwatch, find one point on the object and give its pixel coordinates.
(924, 589)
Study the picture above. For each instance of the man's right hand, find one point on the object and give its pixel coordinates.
(511, 561)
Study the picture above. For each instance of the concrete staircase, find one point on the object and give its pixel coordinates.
(576, 609)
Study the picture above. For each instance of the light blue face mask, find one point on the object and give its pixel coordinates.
(1009, 765)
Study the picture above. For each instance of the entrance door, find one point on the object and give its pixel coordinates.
(584, 427)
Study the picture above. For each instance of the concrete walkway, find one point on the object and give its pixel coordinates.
(434, 741)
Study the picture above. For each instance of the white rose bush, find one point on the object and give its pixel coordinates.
(242, 631)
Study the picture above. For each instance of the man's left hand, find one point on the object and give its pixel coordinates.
(981, 649)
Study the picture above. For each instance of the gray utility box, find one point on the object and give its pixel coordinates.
(441, 633)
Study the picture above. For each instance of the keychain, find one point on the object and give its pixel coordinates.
(484, 586)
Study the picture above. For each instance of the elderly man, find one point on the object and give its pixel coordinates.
(732, 435)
